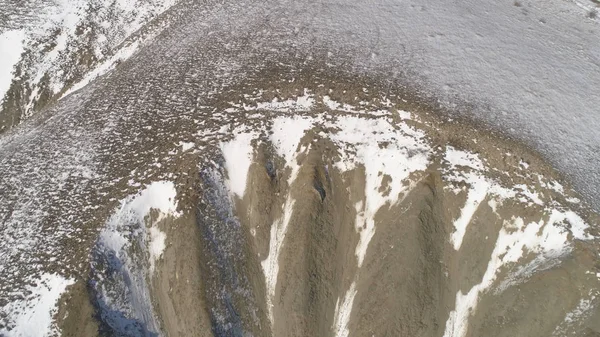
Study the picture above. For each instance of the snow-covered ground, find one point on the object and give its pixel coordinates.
(33, 316)
(529, 68)
(125, 257)
(58, 45)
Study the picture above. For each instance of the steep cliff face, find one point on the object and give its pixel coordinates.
(291, 213)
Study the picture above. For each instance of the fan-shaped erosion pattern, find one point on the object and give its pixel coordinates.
(323, 210)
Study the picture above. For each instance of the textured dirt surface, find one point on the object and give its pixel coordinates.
(318, 236)
(210, 279)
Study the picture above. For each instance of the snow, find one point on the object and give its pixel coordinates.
(515, 238)
(286, 136)
(159, 196)
(556, 187)
(465, 167)
(238, 154)
(523, 164)
(531, 195)
(458, 158)
(65, 17)
(301, 103)
(361, 141)
(342, 313)
(186, 146)
(270, 265)
(33, 316)
(542, 262)
(481, 187)
(156, 245)
(577, 225)
(476, 195)
(584, 306)
(404, 114)
(127, 240)
(11, 47)
(58, 22)
(104, 67)
(331, 104)
(539, 80)
(48, 172)
(530, 71)
(406, 152)
(287, 132)
(548, 238)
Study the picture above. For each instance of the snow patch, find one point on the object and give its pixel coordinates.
(104, 67)
(287, 133)
(584, 306)
(515, 238)
(302, 103)
(457, 158)
(584, 310)
(531, 195)
(156, 245)
(466, 167)
(159, 196)
(548, 238)
(477, 193)
(270, 265)
(33, 316)
(11, 48)
(186, 146)
(238, 158)
(58, 26)
(343, 311)
(383, 150)
(127, 240)
(331, 104)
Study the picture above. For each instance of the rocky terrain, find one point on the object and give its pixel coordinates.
(281, 209)
(212, 184)
(50, 49)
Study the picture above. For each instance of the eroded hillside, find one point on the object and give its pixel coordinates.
(287, 208)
